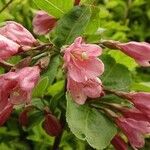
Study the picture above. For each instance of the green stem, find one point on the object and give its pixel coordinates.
(7, 4)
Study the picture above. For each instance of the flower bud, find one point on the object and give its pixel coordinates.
(51, 125)
(8, 48)
(19, 34)
(43, 23)
(119, 143)
(23, 117)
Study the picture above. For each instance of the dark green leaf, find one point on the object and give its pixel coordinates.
(72, 25)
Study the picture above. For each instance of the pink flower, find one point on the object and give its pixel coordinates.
(77, 2)
(43, 23)
(134, 130)
(141, 100)
(119, 143)
(140, 51)
(81, 90)
(17, 33)
(16, 87)
(7, 48)
(135, 114)
(81, 61)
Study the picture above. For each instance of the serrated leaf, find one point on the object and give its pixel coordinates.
(89, 124)
(56, 8)
(116, 76)
(72, 25)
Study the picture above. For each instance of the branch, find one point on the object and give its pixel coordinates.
(6, 65)
(5, 6)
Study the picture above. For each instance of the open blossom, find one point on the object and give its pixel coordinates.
(81, 90)
(81, 61)
(134, 130)
(19, 34)
(119, 143)
(7, 48)
(141, 101)
(16, 87)
(43, 23)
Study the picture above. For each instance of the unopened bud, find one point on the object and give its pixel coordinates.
(51, 125)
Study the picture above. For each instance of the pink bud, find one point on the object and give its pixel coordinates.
(23, 117)
(77, 2)
(81, 60)
(135, 114)
(43, 23)
(140, 51)
(51, 125)
(141, 100)
(8, 48)
(134, 130)
(17, 33)
(119, 143)
(5, 113)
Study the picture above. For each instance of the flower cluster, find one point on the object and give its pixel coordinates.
(134, 122)
(13, 39)
(83, 69)
(16, 86)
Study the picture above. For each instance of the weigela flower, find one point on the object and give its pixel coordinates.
(140, 51)
(141, 101)
(7, 48)
(19, 34)
(134, 130)
(81, 90)
(119, 143)
(16, 87)
(43, 23)
(81, 61)
(134, 113)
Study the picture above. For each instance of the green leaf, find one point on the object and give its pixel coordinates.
(56, 8)
(72, 25)
(142, 86)
(56, 88)
(89, 124)
(52, 69)
(35, 118)
(116, 76)
(41, 87)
